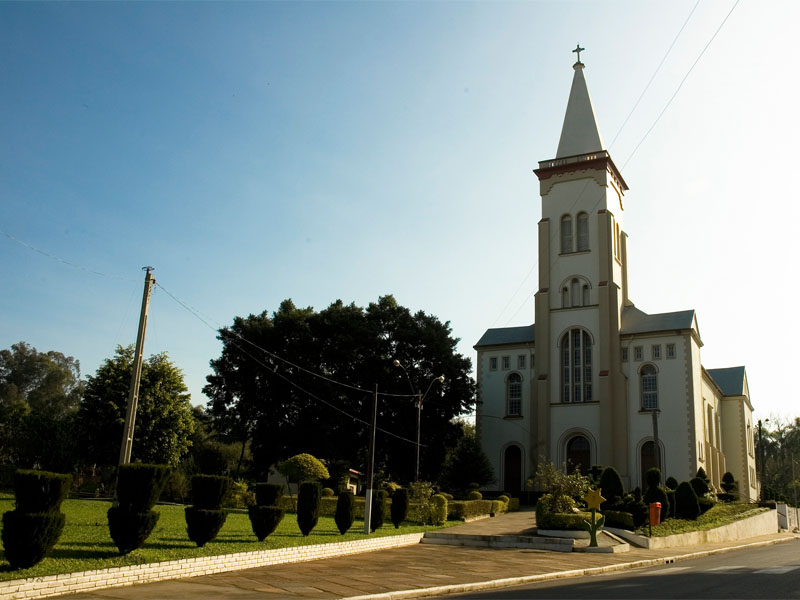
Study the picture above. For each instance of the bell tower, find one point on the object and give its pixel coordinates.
(582, 289)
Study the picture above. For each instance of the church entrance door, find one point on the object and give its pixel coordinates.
(512, 472)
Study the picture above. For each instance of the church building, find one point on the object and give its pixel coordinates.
(596, 380)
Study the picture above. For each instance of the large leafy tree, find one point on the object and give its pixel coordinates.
(164, 418)
(277, 384)
(39, 395)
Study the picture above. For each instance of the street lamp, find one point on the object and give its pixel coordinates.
(420, 399)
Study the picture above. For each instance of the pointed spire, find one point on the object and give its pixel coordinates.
(580, 134)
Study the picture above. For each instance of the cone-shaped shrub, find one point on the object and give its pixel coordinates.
(653, 477)
(701, 473)
(699, 486)
(32, 529)
(268, 494)
(686, 505)
(132, 520)
(728, 482)
(611, 486)
(671, 483)
(345, 511)
(438, 509)
(399, 508)
(206, 516)
(264, 519)
(378, 509)
(308, 506)
(474, 495)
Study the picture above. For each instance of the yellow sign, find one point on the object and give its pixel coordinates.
(593, 499)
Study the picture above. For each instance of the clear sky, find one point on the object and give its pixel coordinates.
(258, 151)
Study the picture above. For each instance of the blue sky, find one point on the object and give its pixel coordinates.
(253, 152)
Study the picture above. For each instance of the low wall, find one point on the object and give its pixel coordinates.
(788, 517)
(761, 524)
(70, 583)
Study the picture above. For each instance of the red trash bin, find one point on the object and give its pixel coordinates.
(655, 513)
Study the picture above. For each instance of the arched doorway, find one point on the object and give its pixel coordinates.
(579, 454)
(648, 460)
(512, 469)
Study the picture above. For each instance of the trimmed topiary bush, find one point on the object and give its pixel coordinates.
(474, 495)
(308, 506)
(345, 511)
(729, 485)
(701, 473)
(502, 497)
(439, 509)
(132, 520)
(671, 483)
(705, 503)
(378, 509)
(653, 477)
(264, 519)
(206, 516)
(686, 505)
(327, 492)
(618, 518)
(399, 508)
(657, 494)
(32, 529)
(269, 494)
(700, 486)
(612, 489)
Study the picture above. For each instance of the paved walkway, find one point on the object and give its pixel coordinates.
(407, 572)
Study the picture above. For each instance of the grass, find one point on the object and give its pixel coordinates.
(86, 545)
(720, 514)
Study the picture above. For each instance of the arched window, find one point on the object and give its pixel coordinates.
(583, 232)
(575, 293)
(514, 395)
(586, 295)
(649, 377)
(576, 366)
(566, 234)
(579, 454)
(565, 298)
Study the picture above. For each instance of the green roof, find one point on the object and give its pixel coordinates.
(730, 380)
(503, 336)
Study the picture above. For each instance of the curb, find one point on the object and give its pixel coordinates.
(460, 588)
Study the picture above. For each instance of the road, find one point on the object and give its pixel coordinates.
(767, 572)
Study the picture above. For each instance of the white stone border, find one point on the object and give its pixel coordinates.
(70, 583)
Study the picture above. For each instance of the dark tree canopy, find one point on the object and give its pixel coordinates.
(285, 410)
(164, 418)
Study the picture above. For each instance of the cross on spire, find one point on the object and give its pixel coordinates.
(578, 51)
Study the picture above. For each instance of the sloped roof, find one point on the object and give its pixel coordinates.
(638, 321)
(730, 380)
(506, 335)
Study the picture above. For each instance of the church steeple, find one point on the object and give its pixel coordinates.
(579, 134)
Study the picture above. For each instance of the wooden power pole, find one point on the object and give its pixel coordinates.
(371, 464)
(136, 374)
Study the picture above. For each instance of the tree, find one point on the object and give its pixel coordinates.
(39, 396)
(164, 417)
(303, 467)
(467, 464)
(267, 386)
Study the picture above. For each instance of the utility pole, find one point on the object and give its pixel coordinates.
(136, 374)
(419, 424)
(371, 463)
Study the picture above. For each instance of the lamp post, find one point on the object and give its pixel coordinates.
(420, 399)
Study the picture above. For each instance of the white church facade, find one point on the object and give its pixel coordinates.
(581, 384)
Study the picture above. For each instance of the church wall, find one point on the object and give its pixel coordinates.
(497, 430)
(568, 420)
(734, 437)
(672, 382)
(695, 409)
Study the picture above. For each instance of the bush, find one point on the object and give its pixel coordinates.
(448, 496)
(498, 507)
(547, 519)
(653, 477)
(302, 467)
(460, 510)
(513, 504)
(203, 524)
(503, 498)
(268, 494)
(672, 504)
(138, 488)
(657, 494)
(208, 491)
(308, 506)
(611, 488)
(264, 520)
(378, 509)
(40, 491)
(671, 483)
(439, 509)
(705, 503)
(129, 530)
(327, 492)
(399, 508)
(701, 474)
(29, 537)
(618, 518)
(728, 482)
(700, 486)
(686, 505)
(345, 511)
(474, 495)
(561, 486)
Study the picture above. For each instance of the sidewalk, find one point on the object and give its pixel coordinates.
(410, 571)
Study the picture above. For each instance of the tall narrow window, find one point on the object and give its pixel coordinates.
(586, 295)
(576, 366)
(514, 395)
(649, 378)
(566, 234)
(583, 231)
(575, 293)
(579, 454)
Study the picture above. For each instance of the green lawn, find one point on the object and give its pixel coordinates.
(720, 514)
(86, 544)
